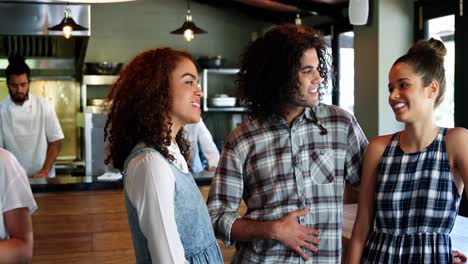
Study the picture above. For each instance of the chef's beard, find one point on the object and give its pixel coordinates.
(19, 98)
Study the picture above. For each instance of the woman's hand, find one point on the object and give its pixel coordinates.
(458, 257)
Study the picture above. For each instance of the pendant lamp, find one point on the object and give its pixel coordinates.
(188, 29)
(67, 25)
(298, 20)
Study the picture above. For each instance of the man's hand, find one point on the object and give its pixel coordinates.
(41, 174)
(458, 257)
(295, 236)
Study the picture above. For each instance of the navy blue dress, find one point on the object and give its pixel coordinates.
(416, 206)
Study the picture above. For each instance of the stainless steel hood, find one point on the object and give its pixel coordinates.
(24, 31)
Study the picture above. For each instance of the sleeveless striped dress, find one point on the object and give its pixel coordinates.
(416, 206)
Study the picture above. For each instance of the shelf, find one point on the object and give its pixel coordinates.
(99, 79)
(89, 80)
(207, 108)
(222, 71)
(225, 109)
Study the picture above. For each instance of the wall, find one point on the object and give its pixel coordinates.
(121, 30)
(377, 45)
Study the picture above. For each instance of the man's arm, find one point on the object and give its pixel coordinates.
(226, 193)
(53, 149)
(19, 247)
(286, 230)
(54, 135)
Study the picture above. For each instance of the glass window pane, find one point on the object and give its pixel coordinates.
(443, 28)
(346, 70)
(327, 97)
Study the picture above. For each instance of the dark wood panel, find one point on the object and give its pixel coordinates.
(81, 227)
(87, 227)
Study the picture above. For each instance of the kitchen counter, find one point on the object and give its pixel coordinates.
(87, 183)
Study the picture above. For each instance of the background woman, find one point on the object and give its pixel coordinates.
(412, 181)
(156, 94)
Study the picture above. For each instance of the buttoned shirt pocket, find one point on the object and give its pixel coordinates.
(321, 166)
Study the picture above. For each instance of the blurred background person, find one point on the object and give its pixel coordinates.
(200, 139)
(16, 204)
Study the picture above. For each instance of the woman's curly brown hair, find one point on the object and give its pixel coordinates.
(140, 105)
(270, 66)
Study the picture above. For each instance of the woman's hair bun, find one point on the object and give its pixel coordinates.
(431, 46)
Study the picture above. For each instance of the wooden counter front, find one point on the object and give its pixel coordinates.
(86, 227)
(81, 227)
(91, 227)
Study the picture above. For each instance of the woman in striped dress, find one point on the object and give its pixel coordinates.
(412, 181)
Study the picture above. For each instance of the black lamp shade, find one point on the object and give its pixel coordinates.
(68, 21)
(188, 25)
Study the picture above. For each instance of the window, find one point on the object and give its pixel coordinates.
(346, 70)
(339, 38)
(327, 97)
(443, 28)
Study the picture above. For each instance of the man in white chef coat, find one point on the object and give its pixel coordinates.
(29, 127)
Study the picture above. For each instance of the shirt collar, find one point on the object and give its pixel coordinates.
(306, 115)
(11, 104)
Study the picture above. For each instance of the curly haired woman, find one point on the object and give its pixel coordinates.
(156, 94)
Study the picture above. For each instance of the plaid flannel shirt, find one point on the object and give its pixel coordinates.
(277, 168)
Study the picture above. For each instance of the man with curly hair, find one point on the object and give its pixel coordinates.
(290, 159)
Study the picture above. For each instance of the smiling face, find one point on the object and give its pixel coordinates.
(185, 93)
(309, 82)
(409, 99)
(18, 88)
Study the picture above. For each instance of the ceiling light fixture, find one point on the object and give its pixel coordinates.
(358, 12)
(67, 25)
(188, 29)
(298, 20)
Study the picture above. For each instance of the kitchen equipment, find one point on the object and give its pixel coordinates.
(103, 68)
(95, 109)
(94, 143)
(24, 32)
(210, 62)
(100, 102)
(223, 100)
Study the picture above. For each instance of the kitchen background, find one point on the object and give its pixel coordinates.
(146, 25)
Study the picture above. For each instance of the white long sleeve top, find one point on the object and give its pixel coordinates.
(150, 187)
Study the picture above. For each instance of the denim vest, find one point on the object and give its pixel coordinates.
(191, 216)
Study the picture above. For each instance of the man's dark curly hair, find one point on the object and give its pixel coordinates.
(268, 76)
(140, 105)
